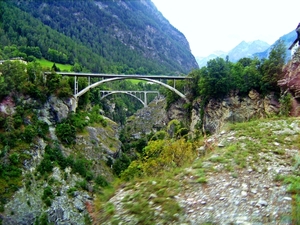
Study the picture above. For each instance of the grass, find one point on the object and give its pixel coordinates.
(151, 195)
(134, 81)
(152, 200)
(143, 199)
(48, 64)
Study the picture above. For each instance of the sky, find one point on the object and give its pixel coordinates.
(220, 25)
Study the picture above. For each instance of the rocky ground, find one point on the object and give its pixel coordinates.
(235, 182)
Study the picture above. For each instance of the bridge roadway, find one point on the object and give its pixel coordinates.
(132, 76)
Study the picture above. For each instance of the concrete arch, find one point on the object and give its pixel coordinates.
(83, 91)
(123, 92)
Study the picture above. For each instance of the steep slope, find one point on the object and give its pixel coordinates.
(133, 33)
(237, 179)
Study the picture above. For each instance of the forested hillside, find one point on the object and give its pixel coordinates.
(100, 36)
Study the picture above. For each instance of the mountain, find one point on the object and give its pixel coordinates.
(102, 36)
(243, 49)
(288, 39)
(203, 60)
(247, 49)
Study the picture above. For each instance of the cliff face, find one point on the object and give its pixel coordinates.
(291, 81)
(134, 33)
(233, 109)
(64, 195)
(157, 38)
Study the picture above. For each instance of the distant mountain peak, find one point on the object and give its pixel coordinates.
(243, 49)
(247, 49)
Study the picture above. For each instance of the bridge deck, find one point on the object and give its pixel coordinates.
(131, 76)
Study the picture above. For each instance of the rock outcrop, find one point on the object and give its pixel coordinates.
(148, 119)
(290, 83)
(71, 194)
(233, 109)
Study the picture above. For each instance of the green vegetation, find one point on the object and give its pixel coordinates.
(87, 41)
(219, 78)
(155, 177)
(49, 64)
(47, 196)
(150, 168)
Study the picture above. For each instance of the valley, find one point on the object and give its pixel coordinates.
(106, 118)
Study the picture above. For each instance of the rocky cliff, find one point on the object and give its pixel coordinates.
(290, 83)
(65, 194)
(233, 109)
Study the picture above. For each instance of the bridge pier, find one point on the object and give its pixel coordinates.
(145, 99)
(74, 103)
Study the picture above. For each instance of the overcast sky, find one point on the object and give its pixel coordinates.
(212, 25)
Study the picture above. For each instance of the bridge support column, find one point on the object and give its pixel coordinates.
(75, 86)
(74, 103)
(145, 99)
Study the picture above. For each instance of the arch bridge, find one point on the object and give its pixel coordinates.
(104, 78)
(139, 95)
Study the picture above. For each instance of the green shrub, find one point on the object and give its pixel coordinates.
(160, 135)
(80, 166)
(101, 181)
(121, 164)
(48, 196)
(29, 133)
(71, 191)
(66, 133)
(14, 159)
(285, 104)
(82, 184)
(45, 166)
(43, 220)
(42, 128)
(47, 193)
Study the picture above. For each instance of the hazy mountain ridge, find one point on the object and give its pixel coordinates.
(288, 39)
(243, 49)
(256, 48)
(247, 49)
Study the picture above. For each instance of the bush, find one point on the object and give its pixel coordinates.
(66, 133)
(43, 220)
(47, 196)
(14, 159)
(285, 104)
(159, 156)
(78, 121)
(80, 166)
(121, 164)
(101, 181)
(42, 128)
(45, 166)
(29, 133)
(71, 191)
